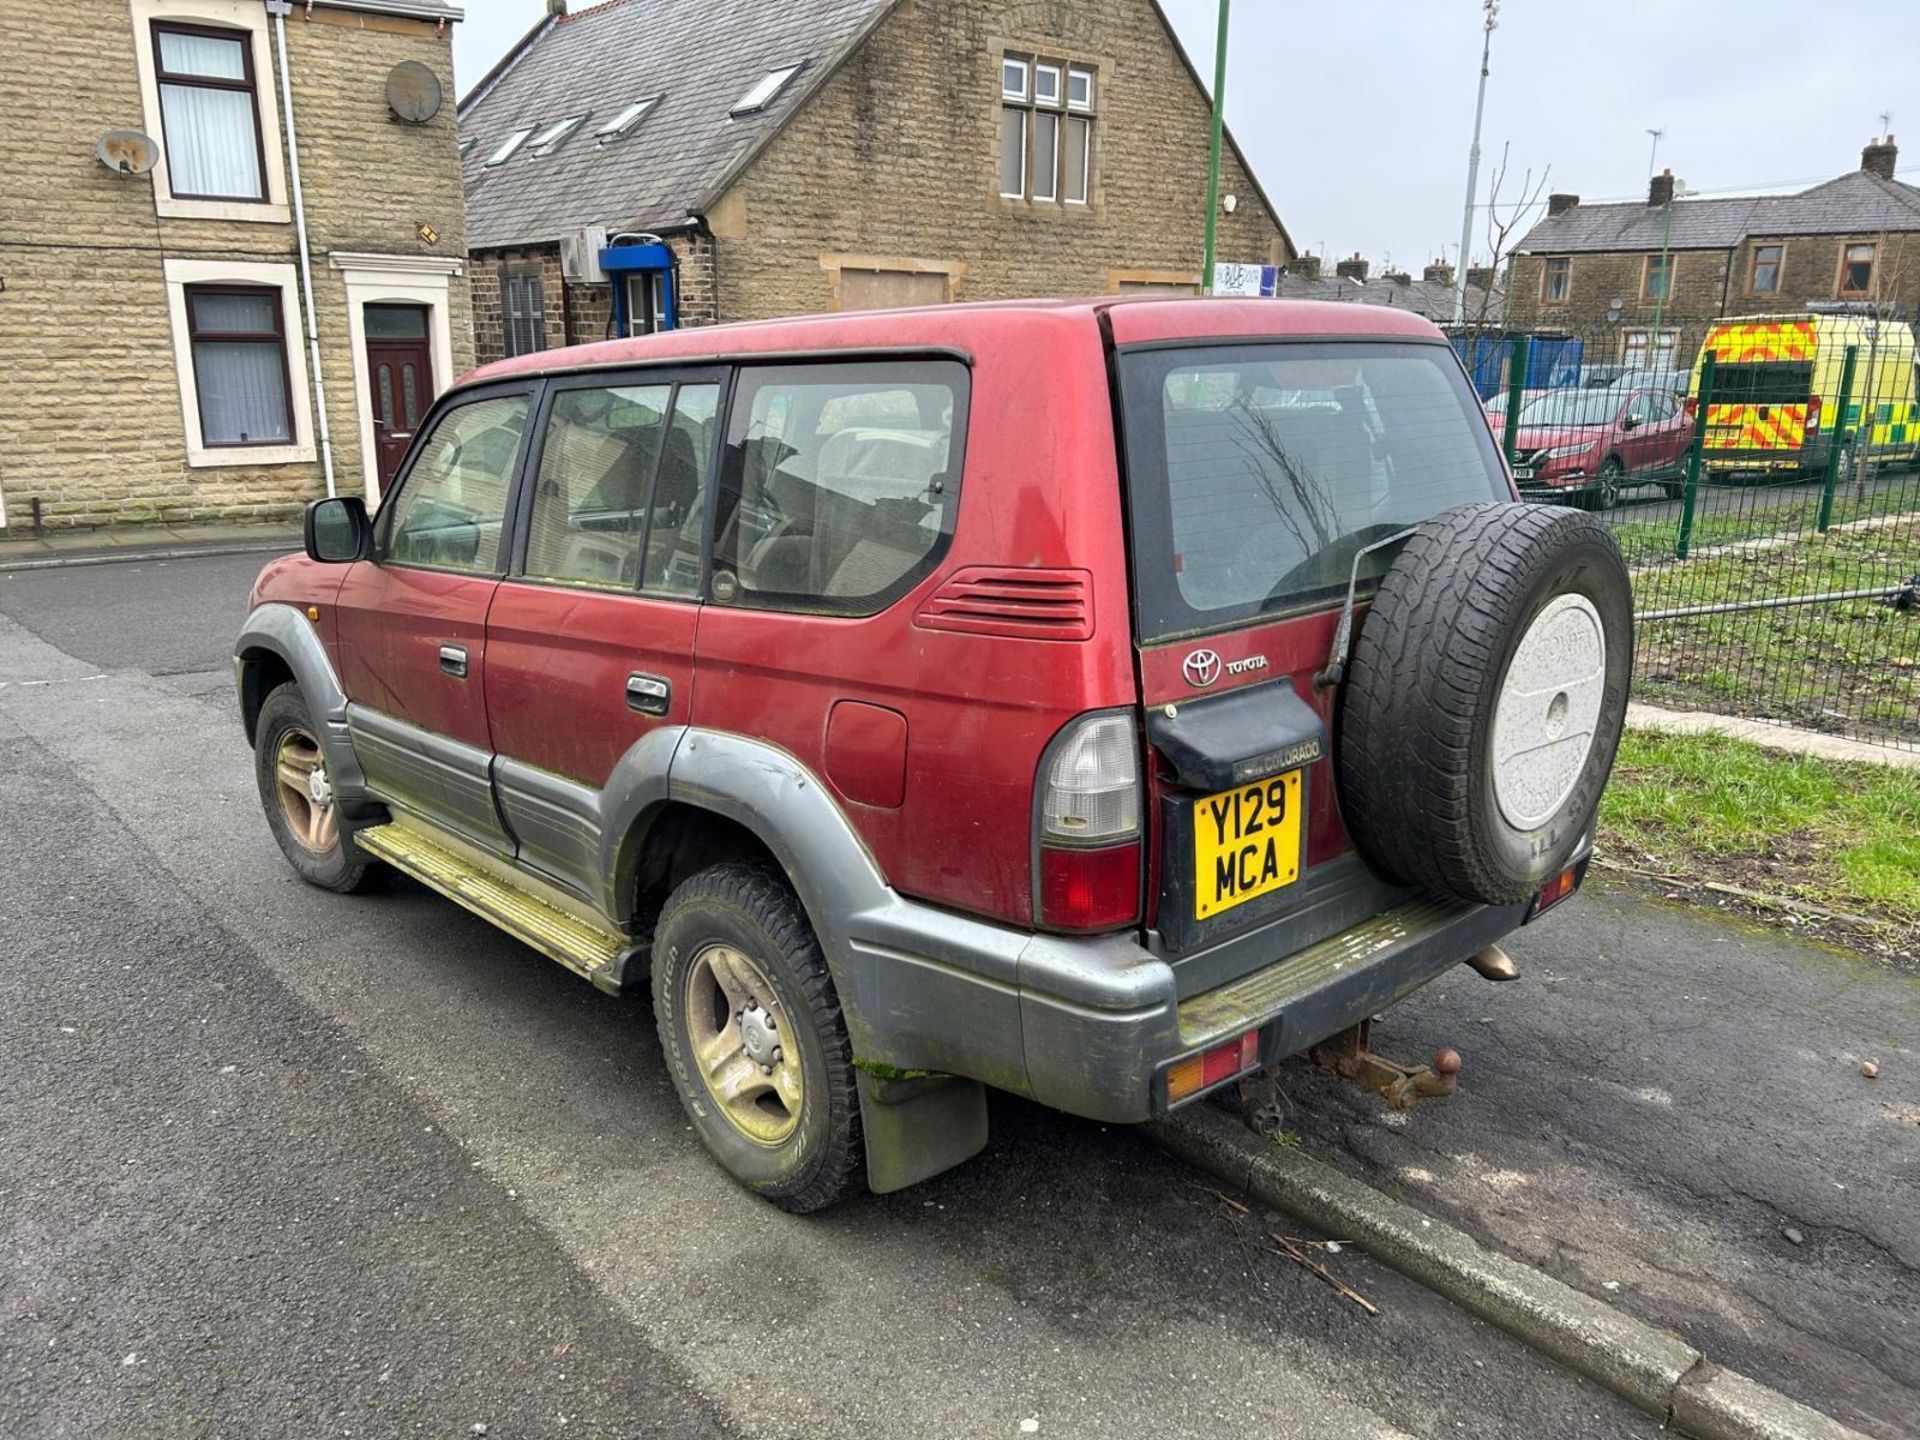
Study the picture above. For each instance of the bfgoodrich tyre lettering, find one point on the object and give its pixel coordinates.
(1429, 793)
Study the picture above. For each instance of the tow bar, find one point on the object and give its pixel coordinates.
(1402, 1086)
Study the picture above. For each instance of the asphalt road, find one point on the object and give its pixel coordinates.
(1889, 490)
(273, 1161)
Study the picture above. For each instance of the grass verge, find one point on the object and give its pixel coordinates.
(1838, 664)
(1829, 848)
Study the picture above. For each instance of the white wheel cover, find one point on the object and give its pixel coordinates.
(1549, 710)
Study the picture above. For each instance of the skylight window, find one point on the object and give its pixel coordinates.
(509, 145)
(767, 91)
(551, 138)
(627, 120)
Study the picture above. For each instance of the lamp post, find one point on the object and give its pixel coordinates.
(1213, 152)
(1492, 9)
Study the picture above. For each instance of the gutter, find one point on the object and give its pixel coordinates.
(405, 9)
(279, 10)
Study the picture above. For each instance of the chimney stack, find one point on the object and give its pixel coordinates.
(1660, 189)
(1306, 265)
(1878, 157)
(1396, 277)
(1438, 273)
(557, 8)
(1352, 268)
(1560, 202)
(1480, 277)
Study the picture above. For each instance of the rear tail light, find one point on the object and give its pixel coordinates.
(1187, 1078)
(1088, 833)
(1692, 406)
(1558, 889)
(1813, 413)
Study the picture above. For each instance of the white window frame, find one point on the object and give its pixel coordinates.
(246, 18)
(1057, 100)
(284, 278)
(1026, 147)
(1080, 72)
(767, 89)
(627, 121)
(372, 279)
(511, 146)
(1025, 67)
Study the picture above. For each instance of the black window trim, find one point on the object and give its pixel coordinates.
(250, 84)
(828, 606)
(516, 481)
(673, 375)
(1125, 436)
(277, 338)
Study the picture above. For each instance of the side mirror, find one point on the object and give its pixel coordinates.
(1633, 421)
(337, 531)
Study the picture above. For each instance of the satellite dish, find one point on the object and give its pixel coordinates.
(413, 92)
(131, 152)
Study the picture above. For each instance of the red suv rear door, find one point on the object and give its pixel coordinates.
(590, 640)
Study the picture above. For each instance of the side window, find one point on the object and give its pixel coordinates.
(841, 483)
(452, 506)
(618, 498)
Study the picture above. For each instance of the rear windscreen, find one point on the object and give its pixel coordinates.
(1259, 472)
(1766, 382)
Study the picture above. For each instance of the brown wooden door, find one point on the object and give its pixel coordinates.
(400, 374)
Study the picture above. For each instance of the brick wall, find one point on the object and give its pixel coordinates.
(897, 157)
(579, 313)
(90, 418)
(486, 269)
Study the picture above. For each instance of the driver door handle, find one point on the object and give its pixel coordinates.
(648, 694)
(453, 660)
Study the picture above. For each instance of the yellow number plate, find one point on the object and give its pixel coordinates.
(1246, 843)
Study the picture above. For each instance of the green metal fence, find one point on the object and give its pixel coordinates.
(1765, 491)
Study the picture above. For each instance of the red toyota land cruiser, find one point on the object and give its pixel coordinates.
(1098, 700)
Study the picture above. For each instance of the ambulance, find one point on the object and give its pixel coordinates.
(1776, 393)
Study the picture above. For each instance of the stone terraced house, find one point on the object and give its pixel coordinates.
(641, 164)
(1653, 275)
(163, 356)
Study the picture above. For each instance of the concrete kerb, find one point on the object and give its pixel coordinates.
(127, 557)
(1653, 1368)
(1768, 735)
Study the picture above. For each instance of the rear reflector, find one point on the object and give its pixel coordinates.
(1558, 889)
(1190, 1076)
(1089, 889)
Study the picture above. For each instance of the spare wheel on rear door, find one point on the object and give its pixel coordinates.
(1485, 700)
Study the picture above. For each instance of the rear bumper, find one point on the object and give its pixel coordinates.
(1096, 1023)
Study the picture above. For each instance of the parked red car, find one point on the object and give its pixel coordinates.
(1589, 445)
(923, 701)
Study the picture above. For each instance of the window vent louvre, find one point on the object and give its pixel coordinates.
(1017, 604)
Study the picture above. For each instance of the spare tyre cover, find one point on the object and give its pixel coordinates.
(1485, 699)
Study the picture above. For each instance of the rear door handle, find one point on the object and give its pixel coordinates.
(648, 694)
(453, 660)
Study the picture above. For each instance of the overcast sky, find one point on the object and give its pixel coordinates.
(1357, 117)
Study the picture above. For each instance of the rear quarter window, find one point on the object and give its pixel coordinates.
(1257, 473)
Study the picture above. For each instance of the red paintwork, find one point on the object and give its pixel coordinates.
(558, 659)
(1040, 491)
(1658, 446)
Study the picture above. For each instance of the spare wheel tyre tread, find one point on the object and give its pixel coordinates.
(1428, 669)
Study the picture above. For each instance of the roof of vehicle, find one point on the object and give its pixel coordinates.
(1133, 320)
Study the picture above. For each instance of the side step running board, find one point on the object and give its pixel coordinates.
(597, 954)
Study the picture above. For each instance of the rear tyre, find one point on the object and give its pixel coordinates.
(754, 1036)
(1485, 700)
(297, 794)
(1607, 480)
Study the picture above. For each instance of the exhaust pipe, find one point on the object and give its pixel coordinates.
(1493, 963)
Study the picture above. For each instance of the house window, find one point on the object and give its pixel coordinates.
(1556, 278)
(1046, 130)
(626, 121)
(523, 312)
(766, 91)
(1856, 270)
(209, 111)
(240, 364)
(1644, 350)
(1656, 279)
(505, 151)
(555, 135)
(1763, 276)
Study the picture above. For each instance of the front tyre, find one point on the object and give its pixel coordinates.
(1607, 482)
(297, 793)
(754, 1038)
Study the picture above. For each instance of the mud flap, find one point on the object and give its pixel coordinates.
(916, 1127)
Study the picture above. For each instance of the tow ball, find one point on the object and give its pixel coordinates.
(1402, 1086)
